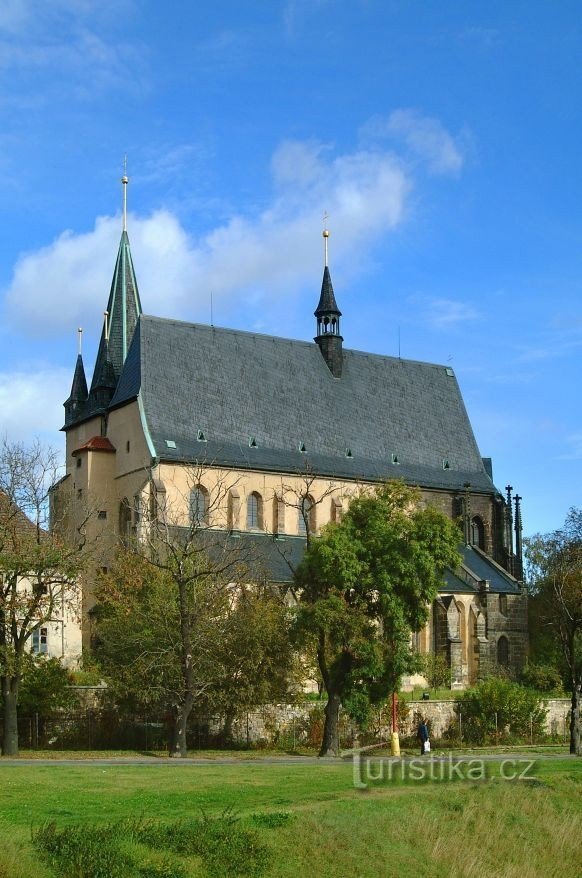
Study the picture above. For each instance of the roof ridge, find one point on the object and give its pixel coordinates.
(294, 341)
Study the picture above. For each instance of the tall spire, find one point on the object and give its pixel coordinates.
(75, 404)
(123, 308)
(328, 319)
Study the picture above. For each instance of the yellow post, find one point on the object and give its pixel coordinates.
(395, 741)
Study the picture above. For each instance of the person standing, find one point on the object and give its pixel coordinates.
(422, 735)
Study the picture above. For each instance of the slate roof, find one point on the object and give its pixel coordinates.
(124, 308)
(277, 557)
(327, 302)
(232, 386)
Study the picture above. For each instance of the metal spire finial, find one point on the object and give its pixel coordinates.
(106, 319)
(80, 337)
(325, 233)
(125, 181)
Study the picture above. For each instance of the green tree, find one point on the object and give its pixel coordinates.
(45, 687)
(178, 627)
(555, 575)
(257, 661)
(365, 585)
(158, 629)
(39, 571)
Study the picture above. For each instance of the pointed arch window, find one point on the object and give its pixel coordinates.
(306, 516)
(477, 532)
(199, 505)
(503, 651)
(255, 511)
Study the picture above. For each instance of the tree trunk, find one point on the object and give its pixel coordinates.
(179, 745)
(575, 730)
(10, 716)
(227, 727)
(330, 742)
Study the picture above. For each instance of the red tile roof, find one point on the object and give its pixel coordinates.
(97, 443)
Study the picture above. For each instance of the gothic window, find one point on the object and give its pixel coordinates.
(199, 505)
(306, 516)
(503, 651)
(477, 533)
(254, 512)
(503, 604)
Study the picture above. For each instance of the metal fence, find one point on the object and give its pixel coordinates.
(288, 728)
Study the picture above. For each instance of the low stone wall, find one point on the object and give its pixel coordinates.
(272, 722)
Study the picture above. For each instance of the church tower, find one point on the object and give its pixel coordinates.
(328, 322)
(121, 316)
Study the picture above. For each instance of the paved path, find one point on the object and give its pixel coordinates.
(283, 760)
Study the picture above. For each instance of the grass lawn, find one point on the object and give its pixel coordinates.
(483, 828)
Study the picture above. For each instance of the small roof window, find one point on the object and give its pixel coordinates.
(252, 442)
(201, 437)
(302, 447)
(170, 443)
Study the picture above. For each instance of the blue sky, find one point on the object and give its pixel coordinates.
(442, 138)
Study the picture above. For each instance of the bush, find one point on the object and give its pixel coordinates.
(45, 687)
(498, 710)
(542, 678)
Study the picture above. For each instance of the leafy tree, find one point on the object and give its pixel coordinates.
(39, 571)
(437, 670)
(365, 585)
(555, 574)
(256, 658)
(157, 635)
(178, 629)
(45, 687)
(497, 708)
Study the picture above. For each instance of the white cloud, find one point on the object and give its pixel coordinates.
(77, 40)
(426, 138)
(447, 313)
(21, 403)
(251, 257)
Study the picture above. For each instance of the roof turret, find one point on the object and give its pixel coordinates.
(75, 404)
(328, 322)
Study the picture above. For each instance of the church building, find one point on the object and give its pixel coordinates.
(181, 414)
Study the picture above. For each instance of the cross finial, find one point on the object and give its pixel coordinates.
(325, 233)
(125, 181)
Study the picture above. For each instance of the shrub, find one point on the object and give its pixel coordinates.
(499, 710)
(542, 678)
